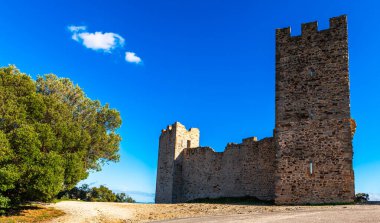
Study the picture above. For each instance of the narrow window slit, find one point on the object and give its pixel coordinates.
(311, 167)
(311, 72)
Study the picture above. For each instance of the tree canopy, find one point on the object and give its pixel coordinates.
(51, 136)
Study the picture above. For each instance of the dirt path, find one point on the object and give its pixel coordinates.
(92, 212)
(96, 212)
(364, 214)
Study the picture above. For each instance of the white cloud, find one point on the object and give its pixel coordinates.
(101, 41)
(132, 58)
(97, 40)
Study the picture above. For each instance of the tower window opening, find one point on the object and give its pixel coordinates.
(188, 143)
(311, 114)
(311, 72)
(311, 167)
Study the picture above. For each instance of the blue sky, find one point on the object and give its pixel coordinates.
(206, 63)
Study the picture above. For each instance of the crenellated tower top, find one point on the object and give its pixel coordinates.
(311, 29)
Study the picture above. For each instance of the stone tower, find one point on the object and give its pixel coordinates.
(314, 129)
(173, 140)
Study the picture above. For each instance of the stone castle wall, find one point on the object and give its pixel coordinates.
(245, 169)
(309, 158)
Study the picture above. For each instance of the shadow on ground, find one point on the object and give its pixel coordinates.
(233, 201)
(255, 201)
(19, 211)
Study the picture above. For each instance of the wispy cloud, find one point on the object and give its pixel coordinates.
(76, 28)
(132, 58)
(374, 196)
(98, 40)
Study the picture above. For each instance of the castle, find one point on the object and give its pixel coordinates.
(309, 158)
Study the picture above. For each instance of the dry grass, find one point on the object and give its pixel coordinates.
(31, 214)
(154, 212)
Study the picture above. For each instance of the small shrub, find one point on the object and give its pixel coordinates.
(361, 198)
(4, 204)
(123, 198)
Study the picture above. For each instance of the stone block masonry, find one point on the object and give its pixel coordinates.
(173, 140)
(245, 169)
(309, 158)
(313, 131)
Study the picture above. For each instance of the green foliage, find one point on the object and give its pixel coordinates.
(4, 204)
(122, 197)
(102, 194)
(99, 194)
(51, 136)
(361, 198)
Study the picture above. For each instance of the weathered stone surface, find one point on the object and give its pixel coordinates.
(309, 159)
(313, 122)
(245, 169)
(173, 140)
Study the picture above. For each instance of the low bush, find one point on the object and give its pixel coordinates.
(4, 204)
(361, 198)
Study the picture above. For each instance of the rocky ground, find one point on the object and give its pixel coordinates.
(83, 212)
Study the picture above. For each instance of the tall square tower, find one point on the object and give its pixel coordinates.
(314, 129)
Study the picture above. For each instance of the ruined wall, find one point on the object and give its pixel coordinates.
(313, 124)
(164, 183)
(172, 141)
(245, 169)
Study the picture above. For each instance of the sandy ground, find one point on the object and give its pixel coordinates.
(83, 212)
(92, 212)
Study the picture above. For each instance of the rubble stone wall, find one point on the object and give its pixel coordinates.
(245, 169)
(313, 132)
(172, 141)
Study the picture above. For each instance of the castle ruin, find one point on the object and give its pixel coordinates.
(309, 158)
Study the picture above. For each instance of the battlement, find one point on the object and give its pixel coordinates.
(171, 127)
(311, 29)
(178, 127)
(250, 139)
